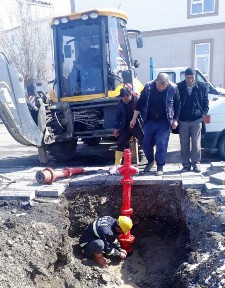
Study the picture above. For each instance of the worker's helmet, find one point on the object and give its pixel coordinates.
(125, 223)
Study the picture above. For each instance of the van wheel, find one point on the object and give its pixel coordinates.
(221, 147)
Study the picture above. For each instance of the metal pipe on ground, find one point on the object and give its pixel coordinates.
(48, 175)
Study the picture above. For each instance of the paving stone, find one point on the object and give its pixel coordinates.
(204, 167)
(222, 218)
(207, 201)
(24, 185)
(221, 195)
(222, 208)
(193, 183)
(218, 178)
(50, 190)
(171, 176)
(17, 195)
(146, 179)
(212, 188)
(191, 175)
(218, 166)
(209, 171)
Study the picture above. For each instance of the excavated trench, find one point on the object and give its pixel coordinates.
(162, 235)
(179, 241)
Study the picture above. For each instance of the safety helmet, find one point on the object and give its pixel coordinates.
(125, 223)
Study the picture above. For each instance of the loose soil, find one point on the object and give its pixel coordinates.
(179, 240)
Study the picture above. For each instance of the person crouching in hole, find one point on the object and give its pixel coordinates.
(100, 238)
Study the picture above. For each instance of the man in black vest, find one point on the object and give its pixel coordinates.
(194, 107)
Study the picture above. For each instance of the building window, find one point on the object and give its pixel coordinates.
(202, 58)
(198, 8)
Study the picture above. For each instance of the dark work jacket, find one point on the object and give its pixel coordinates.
(120, 120)
(171, 101)
(104, 229)
(199, 103)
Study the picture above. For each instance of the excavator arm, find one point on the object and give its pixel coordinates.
(14, 110)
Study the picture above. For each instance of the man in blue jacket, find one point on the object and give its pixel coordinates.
(159, 105)
(122, 129)
(101, 237)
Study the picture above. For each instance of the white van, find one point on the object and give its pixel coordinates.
(213, 134)
(177, 74)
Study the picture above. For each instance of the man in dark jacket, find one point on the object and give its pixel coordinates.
(122, 129)
(101, 237)
(194, 107)
(159, 105)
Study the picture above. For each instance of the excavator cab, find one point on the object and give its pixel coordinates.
(92, 55)
(93, 61)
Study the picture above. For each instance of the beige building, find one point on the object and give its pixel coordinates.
(176, 33)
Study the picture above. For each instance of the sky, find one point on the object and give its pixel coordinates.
(63, 6)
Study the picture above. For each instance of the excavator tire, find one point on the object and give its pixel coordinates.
(63, 151)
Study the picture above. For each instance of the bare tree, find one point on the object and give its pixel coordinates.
(27, 39)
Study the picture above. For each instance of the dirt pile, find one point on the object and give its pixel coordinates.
(34, 246)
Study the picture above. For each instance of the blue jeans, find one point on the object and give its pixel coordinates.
(95, 246)
(156, 134)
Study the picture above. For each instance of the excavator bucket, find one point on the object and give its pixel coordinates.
(14, 111)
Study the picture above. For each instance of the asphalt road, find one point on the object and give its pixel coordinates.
(13, 154)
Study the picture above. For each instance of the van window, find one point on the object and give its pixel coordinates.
(200, 78)
(172, 76)
(182, 76)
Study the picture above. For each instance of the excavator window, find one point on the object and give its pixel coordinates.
(83, 47)
(118, 46)
(80, 59)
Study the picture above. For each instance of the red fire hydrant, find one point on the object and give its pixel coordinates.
(48, 175)
(127, 170)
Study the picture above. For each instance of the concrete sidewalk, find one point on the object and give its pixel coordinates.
(21, 184)
(21, 166)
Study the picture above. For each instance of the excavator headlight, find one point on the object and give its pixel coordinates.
(93, 15)
(84, 17)
(56, 22)
(64, 20)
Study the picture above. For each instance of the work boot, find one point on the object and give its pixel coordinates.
(185, 169)
(159, 171)
(197, 168)
(118, 157)
(100, 260)
(149, 166)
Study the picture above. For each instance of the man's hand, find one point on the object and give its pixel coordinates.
(175, 124)
(124, 251)
(123, 254)
(116, 132)
(132, 123)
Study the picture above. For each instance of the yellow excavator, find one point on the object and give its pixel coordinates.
(93, 61)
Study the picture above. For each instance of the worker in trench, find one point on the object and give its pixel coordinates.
(100, 238)
(122, 130)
